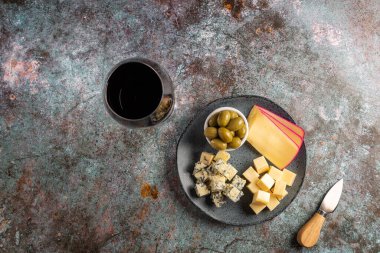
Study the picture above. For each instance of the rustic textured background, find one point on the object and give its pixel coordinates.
(72, 180)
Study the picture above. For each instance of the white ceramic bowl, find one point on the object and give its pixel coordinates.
(228, 109)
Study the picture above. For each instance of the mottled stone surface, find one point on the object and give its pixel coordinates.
(72, 179)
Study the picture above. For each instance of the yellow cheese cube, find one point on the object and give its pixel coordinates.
(206, 158)
(261, 164)
(279, 188)
(288, 177)
(222, 155)
(251, 175)
(273, 202)
(257, 207)
(252, 187)
(281, 197)
(261, 197)
(275, 173)
(265, 182)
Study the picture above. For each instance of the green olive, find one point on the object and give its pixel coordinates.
(235, 124)
(213, 121)
(233, 133)
(234, 114)
(224, 118)
(235, 143)
(225, 134)
(241, 132)
(218, 144)
(211, 132)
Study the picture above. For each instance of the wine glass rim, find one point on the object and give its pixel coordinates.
(145, 62)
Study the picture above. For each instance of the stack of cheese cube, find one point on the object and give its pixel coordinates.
(212, 173)
(268, 184)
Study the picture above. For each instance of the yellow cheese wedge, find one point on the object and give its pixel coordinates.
(274, 137)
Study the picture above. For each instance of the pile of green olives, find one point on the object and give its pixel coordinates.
(225, 130)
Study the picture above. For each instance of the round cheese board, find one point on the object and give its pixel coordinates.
(192, 143)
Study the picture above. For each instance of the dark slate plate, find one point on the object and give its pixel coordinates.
(192, 143)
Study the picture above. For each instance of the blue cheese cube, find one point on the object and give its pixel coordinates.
(217, 177)
(230, 172)
(232, 192)
(217, 183)
(201, 189)
(201, 175)
(217, 166)
(199, 166)
(209, 171)
(200, 172)
(225, 169)
(238, 182)
(226, 188)
(217, 198)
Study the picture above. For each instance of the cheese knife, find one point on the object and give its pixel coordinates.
(308, 235)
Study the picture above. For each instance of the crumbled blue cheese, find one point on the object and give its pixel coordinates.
(201, 189)
(218, 199)
(238, 182)
(232, 193)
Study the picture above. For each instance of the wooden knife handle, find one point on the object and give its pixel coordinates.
(308, 235)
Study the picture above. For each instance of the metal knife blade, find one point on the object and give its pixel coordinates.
(332, 197)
